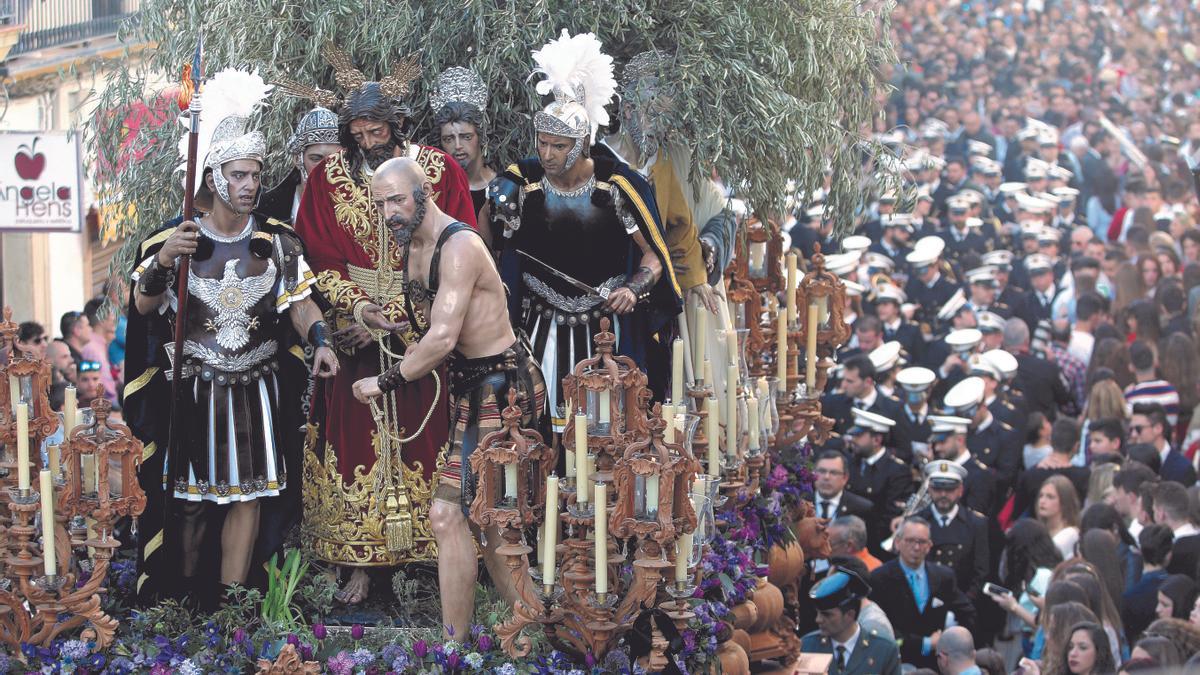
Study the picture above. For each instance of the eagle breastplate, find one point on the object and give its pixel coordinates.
(231, 326)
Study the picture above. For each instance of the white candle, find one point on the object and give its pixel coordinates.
(714, 438)
(510, 481)
(87, 464)
(683, 551)
(810, 353)
(668, 413)
(790, 294)
(580, 439)
(70, 406)
(708, 374)
(764, 412)
(601, 520)
(581, 457)
(550, 541)
(604, 405)
(701, 337)
(752, 419)
(49, 562)
(731, 411)
(677, 371)
(583, 489)
(52, 452)
(23, 446)
(731, 341)
(652, 495)
(781, 350)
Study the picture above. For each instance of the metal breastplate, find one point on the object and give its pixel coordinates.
(579, 238)
(231, 320)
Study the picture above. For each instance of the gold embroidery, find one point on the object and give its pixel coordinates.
(342, 523)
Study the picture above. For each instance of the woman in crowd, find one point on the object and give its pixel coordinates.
(1142, 321)
(1180, 365)
(1176, 597)
(1112, 354)
(1026, 567)
(1037, 439)
(1160, 650)
(1057, 508)
(1099, 548)
(1059, 619)
(1129, 288)
(1087, 652)
(1103, 517)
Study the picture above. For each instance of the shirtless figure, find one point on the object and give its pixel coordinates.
(451, 279)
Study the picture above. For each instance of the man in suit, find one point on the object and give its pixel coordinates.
(876, 473)
(1037, 378)
(830, 498)
(838, 600)
(1148, 424)
(918, 596)
(1099, 182)
(858, 390)
(960, 534)
(1172, 508)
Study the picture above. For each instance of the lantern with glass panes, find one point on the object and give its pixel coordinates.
(602, 392)
(512, 464)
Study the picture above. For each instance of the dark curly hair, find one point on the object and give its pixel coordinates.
(457, 111)
(369, 102)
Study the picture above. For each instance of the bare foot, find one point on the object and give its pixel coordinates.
(356, 589)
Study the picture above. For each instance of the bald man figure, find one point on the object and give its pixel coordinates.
(457, 306)
(956, 652)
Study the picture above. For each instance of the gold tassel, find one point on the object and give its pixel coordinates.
(398, 523)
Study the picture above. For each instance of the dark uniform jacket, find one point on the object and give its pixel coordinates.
(887, 483)
(999, 448)
(962, 546)
(890, 590)
(872, 655)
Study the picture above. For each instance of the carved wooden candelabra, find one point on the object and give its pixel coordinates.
(648, 480)
(820, 328)
(35, 608)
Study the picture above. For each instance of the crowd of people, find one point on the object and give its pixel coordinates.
(88, 355)
(1019, 398)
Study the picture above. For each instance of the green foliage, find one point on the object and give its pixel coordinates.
(771, 91)
(277, 607)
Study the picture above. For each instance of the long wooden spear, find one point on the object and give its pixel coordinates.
(189, 98)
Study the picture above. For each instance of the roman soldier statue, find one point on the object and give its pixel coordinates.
(583, 233)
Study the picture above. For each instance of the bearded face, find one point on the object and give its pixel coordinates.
(403, 226)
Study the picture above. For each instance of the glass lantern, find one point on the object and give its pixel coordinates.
(757, 267)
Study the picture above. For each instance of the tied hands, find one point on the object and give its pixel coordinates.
(357, 336)
(367, 389)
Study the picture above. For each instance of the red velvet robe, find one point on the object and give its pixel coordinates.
(337, 220)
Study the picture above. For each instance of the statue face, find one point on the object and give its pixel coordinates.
(558, 153)
(312, 156)
(374, 139)
(461, 141)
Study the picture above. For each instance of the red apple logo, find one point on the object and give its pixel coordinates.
(27, 193)
(64, 193)
(29, 163)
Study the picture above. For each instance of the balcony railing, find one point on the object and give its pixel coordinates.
(51, 23)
